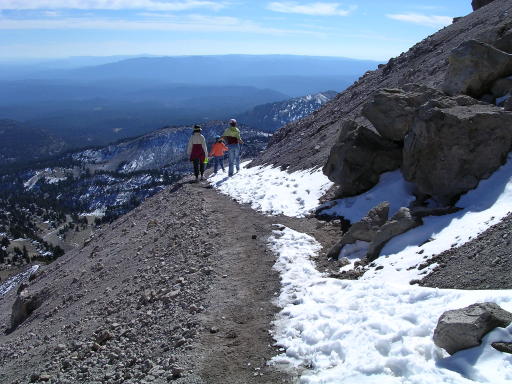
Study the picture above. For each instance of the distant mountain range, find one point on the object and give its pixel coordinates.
(113, 98)
(152, 150)
(85, 115)
(288, 74)
(272, 116)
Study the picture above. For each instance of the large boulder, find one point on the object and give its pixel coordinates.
(508, 104)
(504, 42)
(363, 230)
(449, 150)
(26, 302)
(477, 4)
(400, 223)
(474, 66)
(369, 235)
(391, 111)
(502, 87)
(464, 328)
(359, 157)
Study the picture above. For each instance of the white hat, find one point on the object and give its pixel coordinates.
(232, 121)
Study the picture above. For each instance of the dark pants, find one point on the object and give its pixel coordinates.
(218, 162)
(198, 167)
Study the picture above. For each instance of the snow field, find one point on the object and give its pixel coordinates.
(373, 331)
(272, 191)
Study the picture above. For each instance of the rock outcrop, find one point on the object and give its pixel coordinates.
(307, 142)
(359, 157)
(505, 347)
(473, 68)
(26, 302)
(449, 150)
(477, 4)
(464, 328)
(391, 111)
(369, 235)
(444, 144)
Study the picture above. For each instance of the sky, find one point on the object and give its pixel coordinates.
(367, 29)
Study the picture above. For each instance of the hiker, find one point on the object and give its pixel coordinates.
(232, 137)
(197, 151)
(217, 153)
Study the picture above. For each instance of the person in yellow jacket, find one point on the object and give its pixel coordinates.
(232, 137)
(217, 152)
(197, 151)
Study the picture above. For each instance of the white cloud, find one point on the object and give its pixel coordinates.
(312, 9)
(154, 5)
(426, 20)
(165, 22)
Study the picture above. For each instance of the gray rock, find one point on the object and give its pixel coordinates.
(505, 347)
(504, 42)
(508, 104)
(359, 157)
(464, 328)
(474, 66)
(26, 302)
(343, 261)
(501, 87)
(376, 230)
(392, 110)
(449, 150)
(400, 223)
(477, 4)
(366, 229)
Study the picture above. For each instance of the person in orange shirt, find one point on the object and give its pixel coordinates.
(217, 152)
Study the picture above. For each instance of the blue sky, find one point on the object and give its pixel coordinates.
(368, 29)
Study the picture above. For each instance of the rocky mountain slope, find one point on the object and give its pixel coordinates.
(159, 294)
(307, 142)
(99, 183)
(182, 288)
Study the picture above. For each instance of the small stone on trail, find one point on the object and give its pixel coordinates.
(214, 330)
(231, 335)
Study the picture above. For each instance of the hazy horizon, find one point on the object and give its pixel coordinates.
(373, 30)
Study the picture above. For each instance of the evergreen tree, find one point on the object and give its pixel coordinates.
(5, 242)
(25, 255)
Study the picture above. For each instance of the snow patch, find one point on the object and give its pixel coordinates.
(391, 188)
(16, 280)
(272, 191)
(373, 331)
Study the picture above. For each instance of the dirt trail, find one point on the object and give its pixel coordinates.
(237, 345)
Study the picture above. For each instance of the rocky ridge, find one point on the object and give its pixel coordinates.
(307, 143)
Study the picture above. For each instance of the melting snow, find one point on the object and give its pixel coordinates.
(16, 280)
(391, 188)
(373, 331)
(273, 191)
